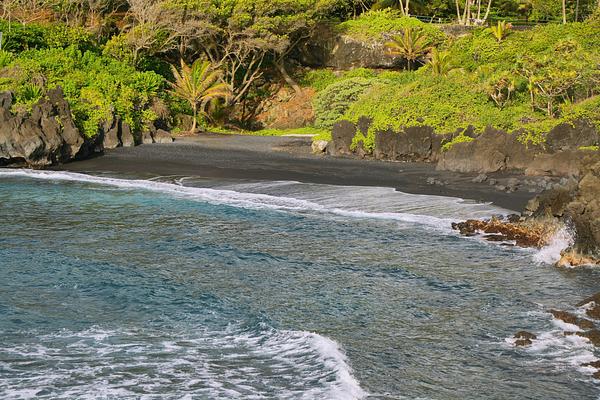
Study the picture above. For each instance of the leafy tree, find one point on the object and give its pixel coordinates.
(560, 77)
(199, 85)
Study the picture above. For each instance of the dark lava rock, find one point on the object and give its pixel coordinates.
(594, 298)
(341, 138)
(494, 150)
(572, 319)
(596, 375)
(6, 99)
(524, 338)
(328, 48)
(411, 144)
(46, 136)
(593, 312)
(109, 135)
(125, 135)
(162, 136)
(571, 136)
(480, 178)
(147, 137)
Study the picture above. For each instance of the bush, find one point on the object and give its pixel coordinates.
(331, 103)
(18, 37)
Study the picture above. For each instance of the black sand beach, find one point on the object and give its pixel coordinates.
(290, 158)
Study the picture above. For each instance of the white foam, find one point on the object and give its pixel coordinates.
(243, 199)
(551, 253)
(554, 348)
(263, 363)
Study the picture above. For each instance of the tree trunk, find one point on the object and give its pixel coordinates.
(487, 12)
(467, 12)
(458, 12)
(406, 12)
(577, 11)
(194, 122)
(564, 11)
(281, 67)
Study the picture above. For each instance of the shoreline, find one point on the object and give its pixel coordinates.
(284, 158)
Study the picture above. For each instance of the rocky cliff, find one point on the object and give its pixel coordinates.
(48, 135)
(578, 205)
(494, 150)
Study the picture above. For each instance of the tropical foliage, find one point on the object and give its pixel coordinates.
(411, 45)
(199, 85)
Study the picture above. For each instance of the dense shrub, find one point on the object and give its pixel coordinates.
(17, 37)
(331, 103)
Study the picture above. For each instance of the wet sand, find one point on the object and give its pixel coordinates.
(289, 158)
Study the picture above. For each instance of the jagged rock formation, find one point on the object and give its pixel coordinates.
(492, 151)
(579, 206)
(48, 135)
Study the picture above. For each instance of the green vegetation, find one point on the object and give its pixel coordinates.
(114, 57)
(411, 45)
(589, 148)
(529, 80)
(378, 25)
(199, 85)
(94, 85)
(461, 138)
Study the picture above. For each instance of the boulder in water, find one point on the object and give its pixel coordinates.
(524, 234)
(524, 338)
(593, 303)
(572, 319)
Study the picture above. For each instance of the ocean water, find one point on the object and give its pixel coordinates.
(187, 288)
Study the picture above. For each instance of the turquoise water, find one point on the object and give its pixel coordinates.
(190, 288)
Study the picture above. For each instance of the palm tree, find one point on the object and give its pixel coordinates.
(198, 85)
(440, 62)
(411, 45)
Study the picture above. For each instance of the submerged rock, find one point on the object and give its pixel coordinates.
(524, 338)
(595, 364)
(593, 303)
(572, 319)
(592, 335)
